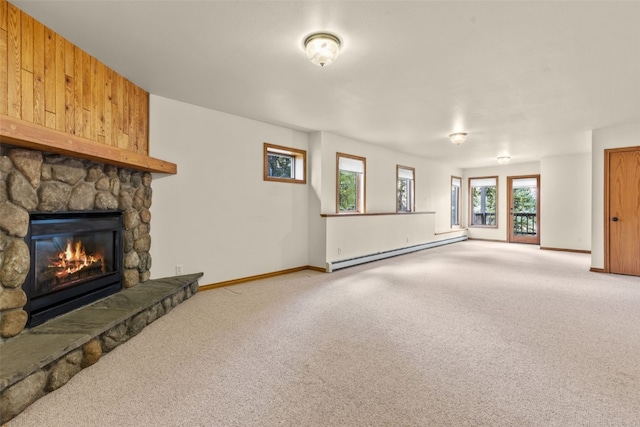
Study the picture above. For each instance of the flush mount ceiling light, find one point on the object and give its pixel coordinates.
(322, 48)
(458, 137)
(503, 159)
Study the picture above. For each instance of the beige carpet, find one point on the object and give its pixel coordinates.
(470, 334)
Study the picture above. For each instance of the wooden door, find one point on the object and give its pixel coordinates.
(524, 209)
(622, 211)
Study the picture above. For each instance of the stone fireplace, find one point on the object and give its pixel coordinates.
(74, 269)
(35, 184)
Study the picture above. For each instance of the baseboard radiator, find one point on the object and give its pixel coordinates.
(344, 263)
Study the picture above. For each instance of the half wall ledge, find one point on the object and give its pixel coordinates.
(352, 214)
(44, 358)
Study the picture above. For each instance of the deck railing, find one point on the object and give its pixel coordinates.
(525, 223)
(484, 218)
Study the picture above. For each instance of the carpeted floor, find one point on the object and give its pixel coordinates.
(470, 334)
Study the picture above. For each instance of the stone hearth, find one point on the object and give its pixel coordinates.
(46, 357)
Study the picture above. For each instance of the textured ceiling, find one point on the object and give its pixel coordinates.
(530, 79)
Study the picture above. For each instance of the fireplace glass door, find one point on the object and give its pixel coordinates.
(67, 260)
(76, 259)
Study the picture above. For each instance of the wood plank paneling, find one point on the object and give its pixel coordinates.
(69, 106)
(38, 73)
(86, 96)
(26, 103)
(50, 76)
(4, 64)
(61, 85)
(4, 68)
(26, 39)
(14, 62)
(86, 81)
(134, 98)
(86, 123)
(49, 119)
(3, 15)
(119, 102)
(94, 93)
(48, 81)
(143, 145)
(78, 86)
(107, 107)
(69, 58)
(98, 102)
(125, 110)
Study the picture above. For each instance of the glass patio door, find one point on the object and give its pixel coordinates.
(524, 209)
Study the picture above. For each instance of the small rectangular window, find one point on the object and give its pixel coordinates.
(456, 183)
(350, 183)
(284, 164)
(483, 193)
(405, 200)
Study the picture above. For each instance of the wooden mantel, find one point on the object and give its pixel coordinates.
(28, 135)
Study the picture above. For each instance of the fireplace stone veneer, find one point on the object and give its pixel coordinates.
(34, 181)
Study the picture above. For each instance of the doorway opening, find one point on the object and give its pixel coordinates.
(524, 209)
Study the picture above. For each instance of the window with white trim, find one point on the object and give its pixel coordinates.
(483, 194)
(350, 183)
(405, 189)
(284, 164)
(456, 183)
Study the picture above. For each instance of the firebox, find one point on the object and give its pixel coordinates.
(76, 259)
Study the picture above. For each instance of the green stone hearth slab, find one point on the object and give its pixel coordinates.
(46, 343)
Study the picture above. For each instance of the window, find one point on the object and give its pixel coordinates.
(350, 187)
(484, 200)
(285, 164)
(405, 190)
(456, 182)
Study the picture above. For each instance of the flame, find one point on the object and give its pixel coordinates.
(74, 258)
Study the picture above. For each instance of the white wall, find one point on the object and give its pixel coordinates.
(502, 172)
(351, 236)
(354, 236)
(565, 202)
(218, 215)
(605, 138)
(432, 179)
(317, 224)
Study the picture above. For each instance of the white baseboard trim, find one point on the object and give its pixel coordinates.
(344, 263)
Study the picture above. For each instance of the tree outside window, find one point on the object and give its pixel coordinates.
(350, 188)
(525, 209)
(405, 189)
(456, 183)
(348, 191)
(281, 166)
(483, 193)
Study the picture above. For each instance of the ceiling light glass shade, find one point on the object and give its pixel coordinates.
(458, 137)
(503, 159)
(322, 48)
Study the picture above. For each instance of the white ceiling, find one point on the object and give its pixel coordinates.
(530, 79)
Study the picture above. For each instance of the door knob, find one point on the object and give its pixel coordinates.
(614, 219)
